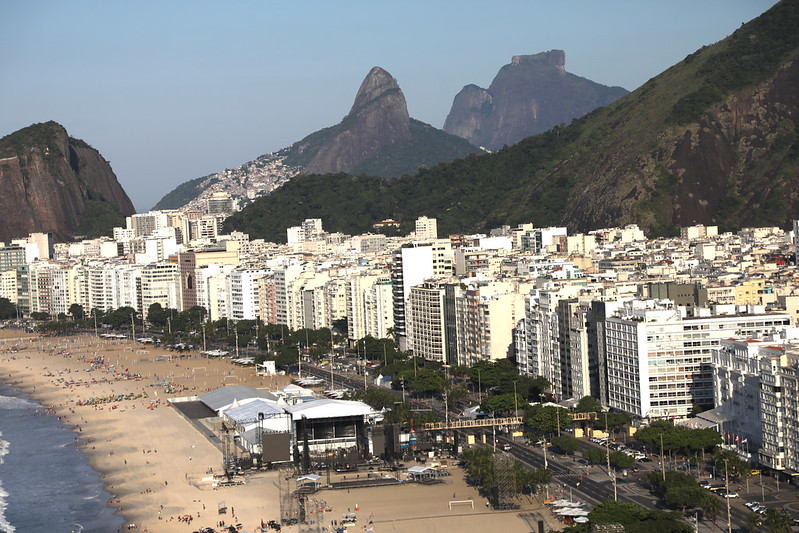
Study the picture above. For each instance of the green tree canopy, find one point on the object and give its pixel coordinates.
(7, 309)
(588, 404)
(502, 403)
(546, 419)
(565, 443)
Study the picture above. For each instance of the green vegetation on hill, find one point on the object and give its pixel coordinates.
(745, 59)
(462, 194)
(182, 194)
(629, 162)
(99, 219)
(42, 134)
(428, 146)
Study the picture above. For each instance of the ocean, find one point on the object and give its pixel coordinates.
(46, 485)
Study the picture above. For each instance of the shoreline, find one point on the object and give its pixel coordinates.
(155, 463)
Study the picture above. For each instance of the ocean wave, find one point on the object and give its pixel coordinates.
(12, 403)
(4, 525)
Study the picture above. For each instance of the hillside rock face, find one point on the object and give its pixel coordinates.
(737, 163)
(529, 96)
(378, 118)
(46, 180)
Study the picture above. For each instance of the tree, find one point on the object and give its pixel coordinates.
(710, 505)
(588, 404)
(594, 456)
(501, 403)
(684, 496)
(7, 309)
(616, 512)
(565, 443)
(621, 460)
(546, 419)
(777, 521)
(76, 311)
(753, 522)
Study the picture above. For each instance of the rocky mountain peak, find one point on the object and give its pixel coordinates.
(528, 96)
(556, 58)
(376, 84)
(378, 118)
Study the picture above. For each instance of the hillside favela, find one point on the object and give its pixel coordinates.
(583, 317)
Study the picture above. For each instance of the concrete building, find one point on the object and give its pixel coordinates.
(426, 322)
(426, 228)
(159, 284)
(658, 362)
(412, 265)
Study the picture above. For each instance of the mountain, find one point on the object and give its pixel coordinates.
(529, 96)
(712, 140)
(51, 182)
(377, 137)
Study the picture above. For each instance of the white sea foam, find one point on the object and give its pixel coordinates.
(11, 403)
(4, 525)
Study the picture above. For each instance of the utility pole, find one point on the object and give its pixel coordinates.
(479, 388)
(515, 400)
(662, 466)
(95, 325)
(727, 496)
(607, 454)
(299, 362)
(132, 329)
(330, 359)
(236, 332)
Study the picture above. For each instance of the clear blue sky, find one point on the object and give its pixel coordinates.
(169, 91)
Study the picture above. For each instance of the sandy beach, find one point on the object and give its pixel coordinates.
(158, 465)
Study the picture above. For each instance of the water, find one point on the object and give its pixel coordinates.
(45, 483)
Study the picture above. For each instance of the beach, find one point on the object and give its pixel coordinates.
(157, 465)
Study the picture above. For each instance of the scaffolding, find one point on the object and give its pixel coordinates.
(505, 481)
(289, 505)
(312, 515)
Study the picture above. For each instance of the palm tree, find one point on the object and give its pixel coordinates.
(711, 506)
(778, 522)
(753, 522)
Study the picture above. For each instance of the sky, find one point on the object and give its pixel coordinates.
(170, 91)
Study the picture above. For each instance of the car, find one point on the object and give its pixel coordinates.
(507, 447)
(752, 505)
(705, 484)
(754, 472)
(730, 495)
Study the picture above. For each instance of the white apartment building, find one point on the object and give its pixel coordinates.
(426, 228)
(50, 288)
(485, 315)
(8, 285)
(542, 356)
(242, 293)
(160, 283)
(779, 408)
(412, 265)
(658, 362)
(427, 323)
(736, 386)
